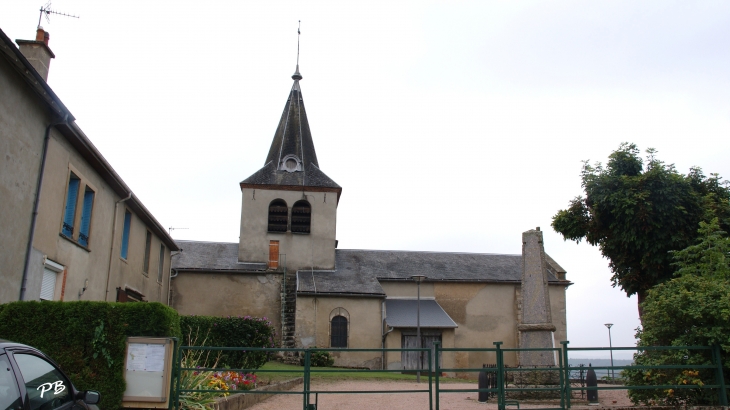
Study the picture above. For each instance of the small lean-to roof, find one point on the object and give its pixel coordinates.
(210, 257)
(404, 312)
(359, 272)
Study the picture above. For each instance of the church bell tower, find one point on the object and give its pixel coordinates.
(289, 207)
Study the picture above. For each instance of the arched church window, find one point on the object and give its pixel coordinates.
(338, 335)
(278, 216)
(301, 217)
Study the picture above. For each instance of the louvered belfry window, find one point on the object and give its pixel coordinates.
(338, 333)
(301, 217)
(278, 216)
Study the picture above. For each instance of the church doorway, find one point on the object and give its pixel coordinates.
(409, 340)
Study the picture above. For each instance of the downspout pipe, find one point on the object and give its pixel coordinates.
(111, 247)
(384, 335)
(34, 217)
(169, 283)
(170, 276)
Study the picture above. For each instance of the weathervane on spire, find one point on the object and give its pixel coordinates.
(296, 75)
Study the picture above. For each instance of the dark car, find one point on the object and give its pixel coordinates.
(30, 380)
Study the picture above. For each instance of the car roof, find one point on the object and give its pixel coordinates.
(5, 344)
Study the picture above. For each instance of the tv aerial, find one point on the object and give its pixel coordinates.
(47, 10)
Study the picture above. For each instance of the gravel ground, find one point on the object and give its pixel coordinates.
(407, 401)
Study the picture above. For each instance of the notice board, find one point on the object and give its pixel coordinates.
(147, 369)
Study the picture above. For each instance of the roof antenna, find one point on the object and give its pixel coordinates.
(296, 75)
(47, 9)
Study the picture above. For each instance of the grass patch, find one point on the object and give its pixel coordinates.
(288, 371)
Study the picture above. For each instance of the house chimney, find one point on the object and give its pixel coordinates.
(37, 52)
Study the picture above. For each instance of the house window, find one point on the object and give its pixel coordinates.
(278, 216)
(161, 263)
(147, 250)
(69, 214)
(86, 216)
(301, 216)
(50, 275)
(129, 295)
(125, 234)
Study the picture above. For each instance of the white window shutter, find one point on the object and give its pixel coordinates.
(48, 286)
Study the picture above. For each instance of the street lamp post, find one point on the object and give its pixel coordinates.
(419, 279)
(610, 346)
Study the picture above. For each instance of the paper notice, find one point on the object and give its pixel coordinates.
(155, 361)
(136, 356)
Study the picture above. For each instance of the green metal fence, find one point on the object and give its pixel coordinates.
(507, 387)
(306, 371)
(716, 366)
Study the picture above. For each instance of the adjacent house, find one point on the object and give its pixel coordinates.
(71, 228)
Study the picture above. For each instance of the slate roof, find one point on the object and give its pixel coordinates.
(312, 176)
(403, 313)
(360, 271)
(211, 256)
(292, 137)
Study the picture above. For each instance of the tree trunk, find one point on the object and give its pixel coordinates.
(641, 296)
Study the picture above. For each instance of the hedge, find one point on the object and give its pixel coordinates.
(88, 339)
(230, 331)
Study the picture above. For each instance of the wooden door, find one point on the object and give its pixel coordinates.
(428, 342)
(273, 254)
(410, 360)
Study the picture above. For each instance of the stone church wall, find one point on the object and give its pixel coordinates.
(485, 313)
(229, 294)
(364, 318)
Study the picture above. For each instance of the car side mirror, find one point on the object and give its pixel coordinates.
(91, 397)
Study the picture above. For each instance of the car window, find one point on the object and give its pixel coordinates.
(46, 386)
(9, 395)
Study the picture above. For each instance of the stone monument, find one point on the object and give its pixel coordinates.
(535, 325)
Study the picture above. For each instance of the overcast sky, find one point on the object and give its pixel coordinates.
(451, 126)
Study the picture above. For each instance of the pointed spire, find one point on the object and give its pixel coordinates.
(292, 160)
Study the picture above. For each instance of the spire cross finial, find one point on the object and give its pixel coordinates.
(296, 75)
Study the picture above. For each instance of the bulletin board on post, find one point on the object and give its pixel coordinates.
(147, 370)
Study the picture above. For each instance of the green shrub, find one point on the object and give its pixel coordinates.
(321, 359)
(232, 332)
(87, 339)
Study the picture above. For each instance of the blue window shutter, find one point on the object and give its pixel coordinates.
(125, 233)
(86, 217)
(70, 212)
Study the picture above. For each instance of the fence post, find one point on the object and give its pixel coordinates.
(566, 388)
(305, 382)
(175, 371)
(179, 376)
(719, 376)
(500, 375)
(431, 368)
(438, 370)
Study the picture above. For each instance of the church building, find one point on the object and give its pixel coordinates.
(287, 267)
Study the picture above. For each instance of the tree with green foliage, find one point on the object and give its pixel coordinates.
(692, 309)
(637, 214)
